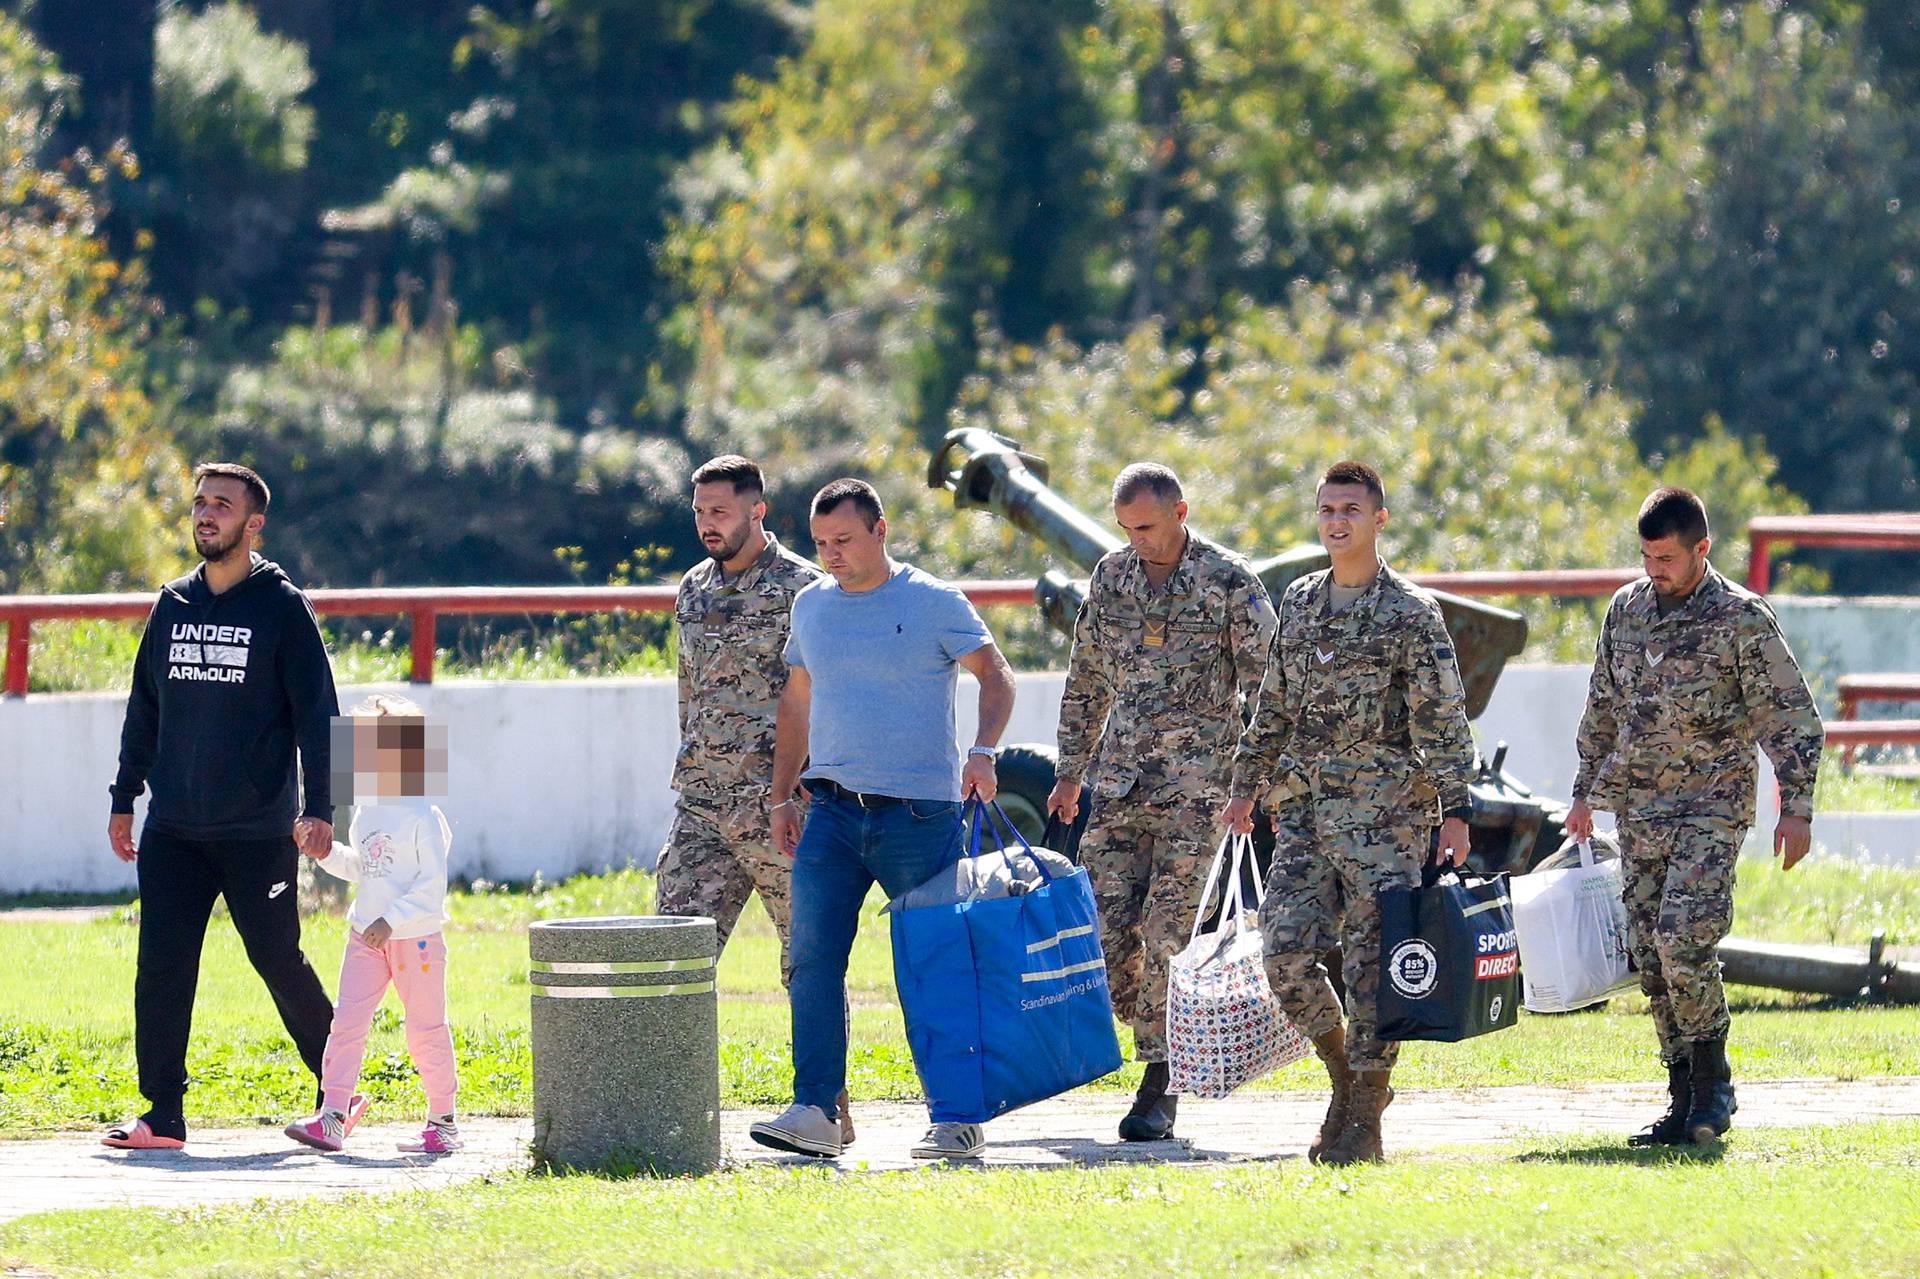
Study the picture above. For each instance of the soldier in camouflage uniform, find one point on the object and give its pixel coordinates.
(1360, 744)
(1690, 672)
(733, 612)
(1168, 653)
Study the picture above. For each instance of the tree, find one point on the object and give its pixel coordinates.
(1497, 453)
(1765, 264)
(89, 483)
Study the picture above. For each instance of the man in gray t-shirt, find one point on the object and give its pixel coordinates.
(884, 664)
(874, 656)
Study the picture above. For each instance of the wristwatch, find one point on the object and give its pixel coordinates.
(991, 752)
(1464, 813)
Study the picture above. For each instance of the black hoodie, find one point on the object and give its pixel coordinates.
(224, 689)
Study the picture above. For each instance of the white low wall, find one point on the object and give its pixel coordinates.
(1853, 635)
(561, 776)
(550, 777)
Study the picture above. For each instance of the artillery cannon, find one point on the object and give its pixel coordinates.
(1511, 828)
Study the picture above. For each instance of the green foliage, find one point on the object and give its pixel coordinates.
(419, 458)
(809, 246)
(536, 159)
(86, 473)
(1254, 143)
(227, 95)
(231, 139)
(1764, 257)
(1497, 454)
(816, 233)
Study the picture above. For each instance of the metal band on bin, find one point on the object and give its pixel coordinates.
(582, 978)
(624, 992)
(630, 966)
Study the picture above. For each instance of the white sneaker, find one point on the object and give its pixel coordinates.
(952, 1141)
(804, 1130)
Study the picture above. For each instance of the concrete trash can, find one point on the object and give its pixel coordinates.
(626, 1044)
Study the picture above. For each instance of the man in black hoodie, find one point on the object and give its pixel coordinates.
(231, 679)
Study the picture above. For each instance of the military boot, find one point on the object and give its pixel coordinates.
(1671, 1128)
(1711, 1112)
(1151, 1118)
(1332, 1047)
(1360, 1142)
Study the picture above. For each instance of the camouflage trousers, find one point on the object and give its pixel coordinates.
(1148, 863)
(717, 855)
(1678, 880)
(1320, 893)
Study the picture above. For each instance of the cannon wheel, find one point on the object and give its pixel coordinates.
(1026, 779)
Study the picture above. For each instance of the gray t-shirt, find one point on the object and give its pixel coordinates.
(884, 664)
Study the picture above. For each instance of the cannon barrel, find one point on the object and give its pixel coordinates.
(1821, 970)
(988, 472)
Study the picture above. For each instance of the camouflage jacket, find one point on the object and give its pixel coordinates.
(1363, 711)
(1159, 679)
(1677, 703)
(733, 639)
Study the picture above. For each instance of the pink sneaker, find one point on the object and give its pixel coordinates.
(324, 1131)
(434, 1139)
(356, 1111)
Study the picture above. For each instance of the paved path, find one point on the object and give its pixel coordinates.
(233, 1165)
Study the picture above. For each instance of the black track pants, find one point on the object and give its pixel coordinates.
(179, 880)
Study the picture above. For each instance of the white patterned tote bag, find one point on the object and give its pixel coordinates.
(1224, 1027)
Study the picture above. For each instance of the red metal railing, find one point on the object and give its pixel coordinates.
(1855, 689)
(423, 605)
(1847, 734)
(1893, 531)
(1565, 582)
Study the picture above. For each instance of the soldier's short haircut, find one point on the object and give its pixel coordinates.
(1673, 512)
(257, 490)
(858, 492)
(1141, 479)
(1352, 472)
(731, 468)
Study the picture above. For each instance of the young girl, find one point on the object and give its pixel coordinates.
(398, 856)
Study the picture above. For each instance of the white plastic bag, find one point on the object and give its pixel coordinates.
(1572, 929)
(1224, 1027)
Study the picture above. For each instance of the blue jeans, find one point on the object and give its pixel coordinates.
(843, 850)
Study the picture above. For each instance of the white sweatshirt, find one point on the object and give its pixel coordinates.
(399, 858)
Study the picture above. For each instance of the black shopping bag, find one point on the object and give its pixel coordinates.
(1449, 961)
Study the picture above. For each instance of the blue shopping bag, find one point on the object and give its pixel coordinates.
(1005, 997)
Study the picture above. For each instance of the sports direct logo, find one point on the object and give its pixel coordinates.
(1498, 956)
(1487, 967)
(1413, 968)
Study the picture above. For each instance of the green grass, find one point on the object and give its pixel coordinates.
(66, 1056)
(1781, 1204)
(95, 656)
(1843, 790)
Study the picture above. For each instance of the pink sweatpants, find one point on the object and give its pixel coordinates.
(417, 967)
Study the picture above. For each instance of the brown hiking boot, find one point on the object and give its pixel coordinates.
(1360, 1143)
(846, 1120)
(1332, 1047)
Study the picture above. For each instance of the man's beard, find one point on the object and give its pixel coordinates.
(730, 547)
(217, 549)
(1676, 590)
